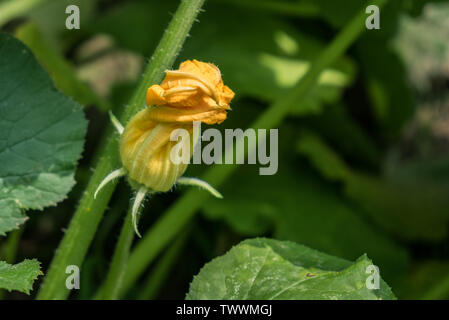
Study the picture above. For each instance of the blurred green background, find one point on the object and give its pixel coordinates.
(363, 160)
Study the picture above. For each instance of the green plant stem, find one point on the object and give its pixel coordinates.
(162, 268)
(15, 8)
(110, 289)
(79, 235)
(113, 217)
(9, 249)
(180, 213)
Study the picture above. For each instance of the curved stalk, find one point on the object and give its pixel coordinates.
(137, 204)
(82, 228)
(110, 177)
(195, 182)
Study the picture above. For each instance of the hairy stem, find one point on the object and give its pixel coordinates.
(112, 284)
(182, 211)
(87, 217)
(162, 269)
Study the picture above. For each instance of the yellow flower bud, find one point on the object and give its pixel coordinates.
(194, 92)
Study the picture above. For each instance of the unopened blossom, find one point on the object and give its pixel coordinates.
(194, 92)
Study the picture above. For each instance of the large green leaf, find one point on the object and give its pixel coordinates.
(20, 276)
(270, 269)
(41, 136)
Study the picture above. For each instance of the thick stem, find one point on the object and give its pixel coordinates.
(162, 268)
(84, 223)
(112, 284)
(178, 215)
(195, 182)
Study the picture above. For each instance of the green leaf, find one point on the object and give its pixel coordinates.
(269, 269)
(20, 276)
(42, 134)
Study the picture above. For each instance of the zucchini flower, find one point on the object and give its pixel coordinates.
(194, 92)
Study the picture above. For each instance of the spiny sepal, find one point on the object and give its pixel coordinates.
(137, 204)
(111, 176)
(187, 181)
